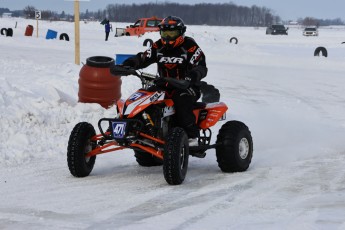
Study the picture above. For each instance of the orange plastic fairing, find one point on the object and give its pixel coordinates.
(214, 112)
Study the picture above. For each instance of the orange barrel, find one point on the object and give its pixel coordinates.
(29, 30)
(97, 84)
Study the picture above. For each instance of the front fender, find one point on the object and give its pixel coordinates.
(119, 106)
(140, 108)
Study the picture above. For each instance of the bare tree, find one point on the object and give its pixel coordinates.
(29, 11)
(309, 21)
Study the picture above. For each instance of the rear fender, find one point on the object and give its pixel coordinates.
(210, 115)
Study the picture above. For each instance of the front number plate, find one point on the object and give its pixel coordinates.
(119, 129)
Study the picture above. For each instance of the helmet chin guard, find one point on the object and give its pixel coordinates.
(172, 43)
(172, 31)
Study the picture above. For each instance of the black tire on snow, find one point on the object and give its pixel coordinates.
(9, 32)
(234, 39)
(78, 145)
(148, 41)
(322, 50)
(175, 158)
(64, 36)
(235, 151)
(146, 159)
(3, 31)
(209, 93)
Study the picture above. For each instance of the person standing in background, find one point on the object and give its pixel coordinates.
(108, 27)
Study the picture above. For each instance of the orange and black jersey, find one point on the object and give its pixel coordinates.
(176, 62)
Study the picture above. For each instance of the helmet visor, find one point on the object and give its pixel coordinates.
(170, 33)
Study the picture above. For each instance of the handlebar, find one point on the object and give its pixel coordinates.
(147, 79)
(121, 70)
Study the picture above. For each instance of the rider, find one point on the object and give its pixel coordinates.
(177, 56)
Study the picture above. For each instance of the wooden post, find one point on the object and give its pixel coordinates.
(77, 32)
(77, 29)
(38, 17)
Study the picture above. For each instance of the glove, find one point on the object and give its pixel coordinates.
(132, 62)
(160, 82)
(194, 78)
(120, 70)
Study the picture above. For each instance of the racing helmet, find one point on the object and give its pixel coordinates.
(172, 31)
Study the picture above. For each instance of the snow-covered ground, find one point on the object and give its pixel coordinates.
(293, 103)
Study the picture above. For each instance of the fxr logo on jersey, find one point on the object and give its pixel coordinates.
(196, 56)
(119, 129)
(171, 60)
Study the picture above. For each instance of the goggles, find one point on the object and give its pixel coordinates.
(170, 33)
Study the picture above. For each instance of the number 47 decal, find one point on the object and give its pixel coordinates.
(119, 129)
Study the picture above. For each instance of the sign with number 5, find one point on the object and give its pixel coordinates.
(37, 14)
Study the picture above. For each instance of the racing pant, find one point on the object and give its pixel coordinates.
(183, 103)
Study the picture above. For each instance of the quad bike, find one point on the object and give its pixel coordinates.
(145, 122)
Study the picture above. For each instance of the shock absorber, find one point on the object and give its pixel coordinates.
(149, 123)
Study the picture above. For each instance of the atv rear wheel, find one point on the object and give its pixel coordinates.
(235, 150)
(146, 159)
(175, 158)
(79, 145)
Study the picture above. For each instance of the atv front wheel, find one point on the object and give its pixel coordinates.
(79, 145)
(146, 159)
(235, 150)
(175, 158)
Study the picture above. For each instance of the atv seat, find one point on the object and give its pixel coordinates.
(199, 105)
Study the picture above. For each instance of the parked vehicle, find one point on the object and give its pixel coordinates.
(145, 123)
(277, 29)
(140, 27)
(310, 31)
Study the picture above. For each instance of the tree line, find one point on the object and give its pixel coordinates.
(310, 21)
(225, 14)
(220, 14)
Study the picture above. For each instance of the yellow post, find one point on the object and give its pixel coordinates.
(77, 32)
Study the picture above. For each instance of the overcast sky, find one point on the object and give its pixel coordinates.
(287, 10)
